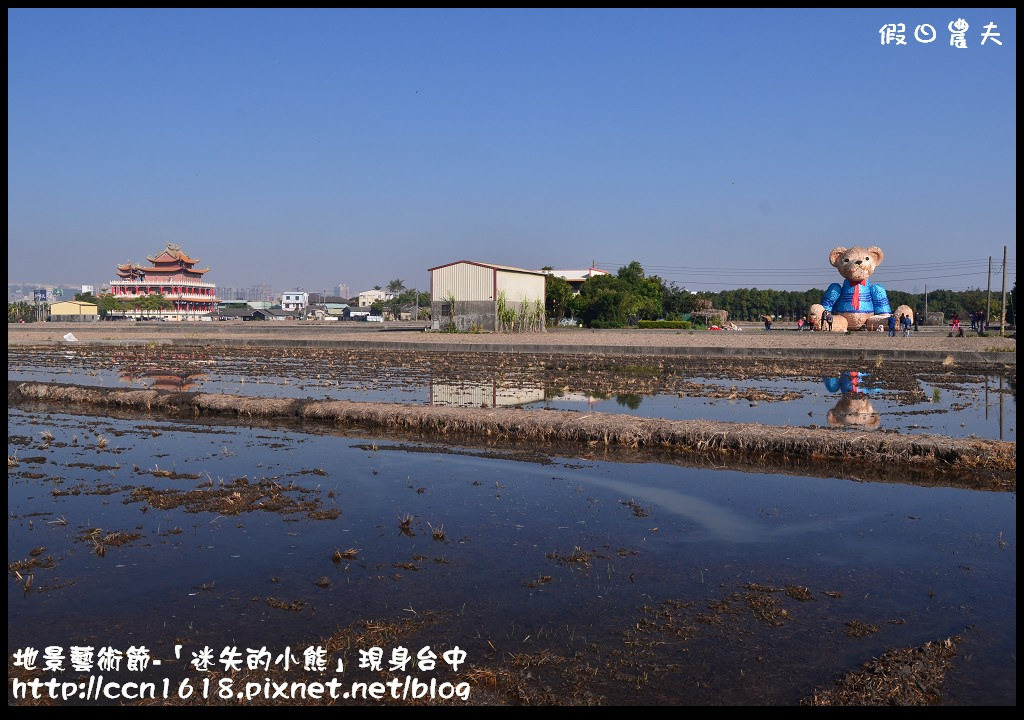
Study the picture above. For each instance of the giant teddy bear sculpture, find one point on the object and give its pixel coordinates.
(856, 303)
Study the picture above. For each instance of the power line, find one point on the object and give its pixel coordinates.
(796, 278)
(981, 264)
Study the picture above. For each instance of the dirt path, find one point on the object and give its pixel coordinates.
(931, 344)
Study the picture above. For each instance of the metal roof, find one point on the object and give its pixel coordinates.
(493, 266)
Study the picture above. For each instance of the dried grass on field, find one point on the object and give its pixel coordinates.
(688, 438)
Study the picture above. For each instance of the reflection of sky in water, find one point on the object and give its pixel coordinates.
(970, 409)
(895, 551)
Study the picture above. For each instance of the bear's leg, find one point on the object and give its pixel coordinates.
(854, 321)
(874, 321)
(815, 314)
(839, 324)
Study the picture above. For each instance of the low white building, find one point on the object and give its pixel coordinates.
(294, 301)
(576, 278)
(369, 297)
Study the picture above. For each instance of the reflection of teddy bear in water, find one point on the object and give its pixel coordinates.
(856, 303)
(854, 411)
(854, 408)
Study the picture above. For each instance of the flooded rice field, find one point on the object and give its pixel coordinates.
(947, 400)
(563, 580)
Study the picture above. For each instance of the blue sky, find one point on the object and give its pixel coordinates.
(306, 148)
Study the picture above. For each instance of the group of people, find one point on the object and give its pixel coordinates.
(824, 322)
(978, 321)
(905, 324)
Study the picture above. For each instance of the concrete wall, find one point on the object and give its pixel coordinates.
(482, 314)
(74, 318)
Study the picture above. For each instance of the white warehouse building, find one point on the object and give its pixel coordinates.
(469, 294)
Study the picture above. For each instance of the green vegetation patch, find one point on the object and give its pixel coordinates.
(665, 324)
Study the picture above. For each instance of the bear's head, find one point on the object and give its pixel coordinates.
(857, 263)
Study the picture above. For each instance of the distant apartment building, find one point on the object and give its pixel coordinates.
(257, 293)
(343, 291)
(295, 300)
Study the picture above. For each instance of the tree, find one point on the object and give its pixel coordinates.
(148, 303)
(558, 298)
(21, 311)
(107, 304)
(85, 297)
(613, 300)
(676, 301)
(162, 303)
(395, 287)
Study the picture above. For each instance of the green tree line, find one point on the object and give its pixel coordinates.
(630, 294)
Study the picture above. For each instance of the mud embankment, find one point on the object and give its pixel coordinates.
(987, 464)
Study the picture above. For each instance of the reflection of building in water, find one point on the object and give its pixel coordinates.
(577, 397)
(176, 372)
(173, 380)
(854, 408)
(485, 394)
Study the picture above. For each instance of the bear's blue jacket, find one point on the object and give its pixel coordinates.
(873, 299)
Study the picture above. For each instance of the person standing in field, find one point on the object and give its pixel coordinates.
(905, 324)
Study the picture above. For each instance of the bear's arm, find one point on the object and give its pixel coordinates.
(828, 300)
(880, 300)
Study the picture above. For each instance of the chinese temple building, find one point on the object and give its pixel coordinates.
(172, 274)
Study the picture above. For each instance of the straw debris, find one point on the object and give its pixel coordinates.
(835, 453)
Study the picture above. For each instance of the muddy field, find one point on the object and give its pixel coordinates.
(565, 580)
(570, 573)
(958, 399)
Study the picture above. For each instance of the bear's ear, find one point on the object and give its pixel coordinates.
(833, 257)
(876, 254)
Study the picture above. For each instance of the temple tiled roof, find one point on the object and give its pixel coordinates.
(170, 260)
(173, 253)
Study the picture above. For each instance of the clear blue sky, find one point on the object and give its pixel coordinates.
(720, 148)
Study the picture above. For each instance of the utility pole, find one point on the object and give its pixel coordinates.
(1002, 314)
(988, 299)
(926, 303)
